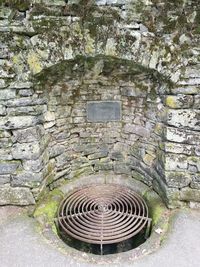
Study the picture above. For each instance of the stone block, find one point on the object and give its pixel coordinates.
(16, 196)
(175, 148)
(25, 92)
(182, 135)
(35, 165)
(28, 179)
(55, 150)
(189, 194)
(122, 168)
(2, 110)
(103, 165)
(179, 101)
(184, 118)
(178, 179)
(117, 155)
(149, 159)
(18, 122)
(5, 154)
(3, 84)
(49, 116)
(8, 167)
(197, 150)
(194, 205)
(192, 72)
(28, 135)
(21, 85)
(26, 101)
(190, 81)
(133, 91)
(194, 161)
(100, 154)
(190, 90)
(197, 102)
(137, 129)
(195, 184)
(6, 94)
(26, 151)
(4, 179)
(174, 162)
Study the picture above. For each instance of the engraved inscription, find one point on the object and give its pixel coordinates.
(103, 111)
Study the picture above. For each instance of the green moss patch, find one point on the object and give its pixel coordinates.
(46, 208)
(156, 206)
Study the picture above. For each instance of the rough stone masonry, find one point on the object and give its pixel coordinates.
(58, 56)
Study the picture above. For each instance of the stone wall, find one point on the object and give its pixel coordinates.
(55, 56)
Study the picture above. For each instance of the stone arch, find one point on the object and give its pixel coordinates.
(73, 146)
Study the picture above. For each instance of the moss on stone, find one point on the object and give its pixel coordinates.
(156, 207)
(46, 208)
(21, 5)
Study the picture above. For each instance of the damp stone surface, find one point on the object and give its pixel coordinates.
(57, 56)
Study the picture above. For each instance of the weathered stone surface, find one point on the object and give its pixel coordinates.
(2, 110)
(189, 194)
(25, 178)
(134, 91)
(35, 165)
(103, 165)
(28, 135)
(117, 155)
(195, 181)
(101, 154)
(4, 179)
(178, 179)
(122, 168)
(197, 102)
(179, 101)
(6, 94)
(25, 92)
(184, 118)
(175, 162)
(26, 151)
(25, 101)
(175, 148)
(137, 129)
(5, 154)
(8, 167)
(17, 122)
(190, 90)
(182, 136)
(194, 161)
(21, 85)
(16, 196)
(194, 205)
(47, 79)
(49, 116)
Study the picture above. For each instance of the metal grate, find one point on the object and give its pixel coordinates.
(103, 214)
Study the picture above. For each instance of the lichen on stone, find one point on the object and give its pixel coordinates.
(34, 62)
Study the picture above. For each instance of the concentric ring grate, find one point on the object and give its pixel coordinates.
(103, 214)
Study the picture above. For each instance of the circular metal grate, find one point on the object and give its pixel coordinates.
(103, 214)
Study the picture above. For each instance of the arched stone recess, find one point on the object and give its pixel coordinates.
(44, 39)
(72, 145)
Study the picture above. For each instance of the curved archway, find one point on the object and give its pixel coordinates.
(76, 145)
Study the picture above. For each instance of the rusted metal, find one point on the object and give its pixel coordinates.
(103, 214)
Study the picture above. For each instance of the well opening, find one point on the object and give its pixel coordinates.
(103, 219)
(147, 239)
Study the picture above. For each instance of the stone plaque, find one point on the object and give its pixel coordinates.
(103, 111)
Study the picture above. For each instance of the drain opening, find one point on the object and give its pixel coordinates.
(103, 219)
